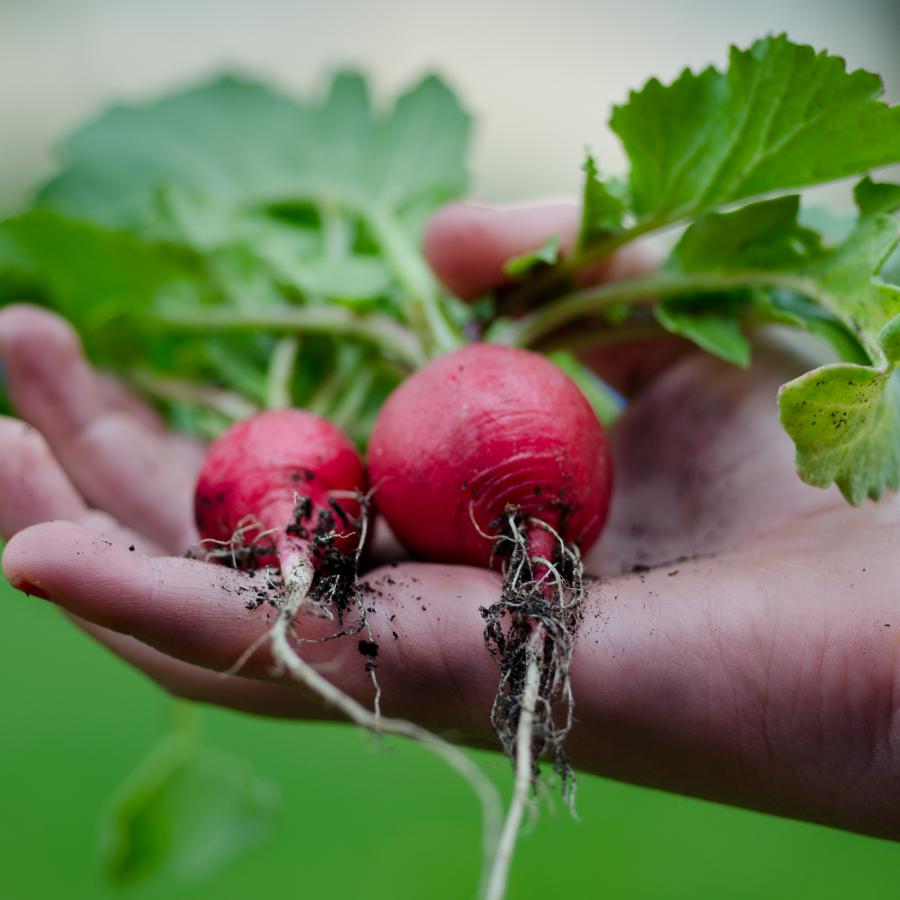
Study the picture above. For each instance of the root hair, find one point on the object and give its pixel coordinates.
(531, 633)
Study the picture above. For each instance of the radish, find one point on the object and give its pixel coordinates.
(291, 483)
(493, 454)
(285, 488)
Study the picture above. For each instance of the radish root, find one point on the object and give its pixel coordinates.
(301, 588)
(531, 633)
(525, 761)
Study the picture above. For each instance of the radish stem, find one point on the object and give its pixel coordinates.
(376, 329)
(422, 305)
(227, 403)
(532, 328)
(303, 674)
(499, 874)
(281, 372)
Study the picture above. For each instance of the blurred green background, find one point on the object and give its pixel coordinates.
(356, 821)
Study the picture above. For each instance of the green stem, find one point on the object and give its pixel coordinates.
(558, 276)
(281, 373)
(381, 331)
(335, 230)
(664, 285)
(587, 256)
(577, 340)
(424, 309)
(343, 370)
(347, 413)
(227, 403)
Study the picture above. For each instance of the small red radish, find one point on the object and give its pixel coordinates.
(290, 481)
(492, 452)
(292, 484)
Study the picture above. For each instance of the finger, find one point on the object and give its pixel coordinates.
(118, 397)
(200, 685)
(117, 463)
(198, 613)
(467, 245)
(34, 489)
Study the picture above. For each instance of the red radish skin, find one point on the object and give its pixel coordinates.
(477, 431)
(259, 467)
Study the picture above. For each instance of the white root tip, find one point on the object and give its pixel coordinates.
(499, 873)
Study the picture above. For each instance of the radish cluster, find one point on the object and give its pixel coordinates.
(487, 456)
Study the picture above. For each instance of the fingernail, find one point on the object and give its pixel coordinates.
(26, 587)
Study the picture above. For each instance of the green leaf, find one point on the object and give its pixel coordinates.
(849, 287)
(247, 156)
(781, 117)
(203, 222)
(784, 308)
(88, 273)
(353, 277)
(344, 276)
(187, 810)
(891, 270)
(607, 403)
(834, 293)
(262, 251)
(763, 235)
(758, 236)
(601, 208)
(419, 154)
(231, 138)
(889, 340)
(545, 255)
(845, 423)
(245, 145)
(845, 419)
(712, 323)
(873, 197)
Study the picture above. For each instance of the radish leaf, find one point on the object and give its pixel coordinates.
(782, 116)
(844, 420)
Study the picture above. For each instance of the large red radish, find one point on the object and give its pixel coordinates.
(492, 455)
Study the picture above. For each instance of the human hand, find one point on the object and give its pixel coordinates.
(755, 662)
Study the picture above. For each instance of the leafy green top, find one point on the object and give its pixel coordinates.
(231, 199)
(202, 234)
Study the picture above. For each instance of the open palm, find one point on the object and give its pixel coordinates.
(739, 644)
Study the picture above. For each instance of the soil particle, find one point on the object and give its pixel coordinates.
(368, 648)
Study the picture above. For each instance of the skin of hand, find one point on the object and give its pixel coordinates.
(741, 642)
